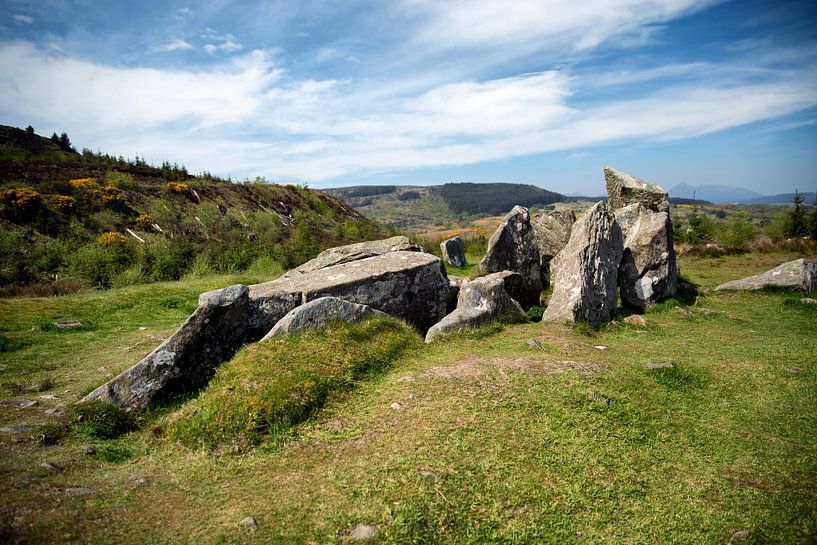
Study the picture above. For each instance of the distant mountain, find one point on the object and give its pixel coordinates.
(782, 198)
(718, 194)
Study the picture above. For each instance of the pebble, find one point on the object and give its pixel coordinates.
(600, 347)
(635, 319)
(88, 450)
(68, 324)
(359, 532)
(49, 465)
(740, 535)
(659, 365)
(428, 473)
(809, 300)
(795, 370)
(396, 406)
(48, 397)
(249, 522)
(19, 403)
(141, 481)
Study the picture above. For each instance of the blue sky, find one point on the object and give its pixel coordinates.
(425, 91)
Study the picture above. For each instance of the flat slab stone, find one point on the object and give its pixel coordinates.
(412, 286)
(797, 275)
(354, 252)
(19, 403)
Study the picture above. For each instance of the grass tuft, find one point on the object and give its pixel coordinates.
(102, 420)
(270, 387)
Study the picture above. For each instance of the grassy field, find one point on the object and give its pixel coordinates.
(478, 438)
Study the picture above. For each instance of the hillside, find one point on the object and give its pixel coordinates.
(70, 220)
(717, 194)
(423, 208)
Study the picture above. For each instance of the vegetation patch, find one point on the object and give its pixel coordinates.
(269, 387)
(102, 420)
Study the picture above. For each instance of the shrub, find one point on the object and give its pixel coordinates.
(269, 387)
(144, 221)
(179, 187)
(83, 183)
(119, 179)
(63, 202)
(109, 195)
(99, 264)
(112, 239)
(102, 420)
(22, 201)
(737, 233)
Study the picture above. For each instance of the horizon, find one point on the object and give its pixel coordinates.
(701, 92)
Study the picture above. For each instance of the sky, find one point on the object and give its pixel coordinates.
(416, 92)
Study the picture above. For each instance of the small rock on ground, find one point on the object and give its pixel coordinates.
(406, 378)
(396, 406)
(16, 429)
(68, 324)
(49, 465)
(740, 535)
(809, 300)
(19, 403)
(600, 347)
(659, 365)
(635, 319)
(795, 370)
(249, 522)
(141, 481)
(88, 451)
(359, 532)
(77, 490)
(428, 473)
(598, 398)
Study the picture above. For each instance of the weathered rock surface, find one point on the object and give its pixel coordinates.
(551, 231)
(319, 313)
(409, 285)
(453, 251)
(797, 275)
(480, 302)
(354, 252)
(454, 285)
(649, 271)
(512, 247)
(623, 189)
(586, 270)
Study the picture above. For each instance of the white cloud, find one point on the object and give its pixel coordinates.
(175, 44)
(23, 19)
(184, 12)
(223, 43)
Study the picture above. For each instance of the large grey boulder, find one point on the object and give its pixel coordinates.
(411, 286)
(480, 302)
(354, 252)
(453, 250)
(512, 247)
(649, 271)
(586, 270)
(797, 275)
(319, 313)
(551, 231)
(188, 359)
(623, 189)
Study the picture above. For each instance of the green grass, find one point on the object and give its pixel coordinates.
(558, 442)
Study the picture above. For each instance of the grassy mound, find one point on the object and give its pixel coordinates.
(269, 387)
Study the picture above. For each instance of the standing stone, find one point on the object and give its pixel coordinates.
(480, 302)
(797, 275)
(318, 313)
(453, 251)
(551, 231)
(512, 247)
(649, 271)
(623, 189)
(586, 270)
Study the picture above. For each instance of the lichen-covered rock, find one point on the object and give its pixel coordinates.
(480, 302)
(797, 275)
(354, 252)
(649, 271)
(623, 189)
(411, 286)
(453, 251)
(512, 247)
(586, 270)
(189, 358)
(319, 313)
(551, 231)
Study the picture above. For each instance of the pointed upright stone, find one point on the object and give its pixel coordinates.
(512, 247)
(453, 250)
(623, 189)
(586, 270)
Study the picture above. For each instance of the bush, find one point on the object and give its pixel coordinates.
(63, 202)
(99, 264)
(144, 221)
(102, 420)
(179, 187)
(737, 232)
(83, 183)
(109, 195)
(271, 386)
(22, 202)
(112, 239)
